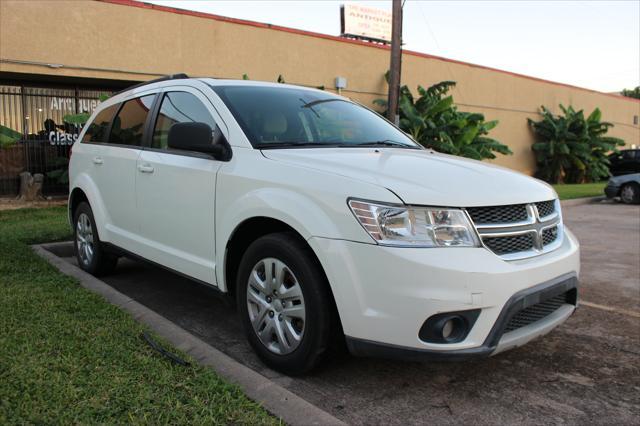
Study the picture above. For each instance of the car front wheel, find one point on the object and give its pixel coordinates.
(285, 303)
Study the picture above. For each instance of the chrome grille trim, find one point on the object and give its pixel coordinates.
(538, 227)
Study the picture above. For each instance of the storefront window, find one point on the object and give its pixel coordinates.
(11, 117)
(38, 125)
(38, 113)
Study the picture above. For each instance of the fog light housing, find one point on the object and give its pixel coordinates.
(448, 327)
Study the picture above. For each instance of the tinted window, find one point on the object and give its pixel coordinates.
(628, 155)
(178, 107)
(128, 125)
(278, 116)
(98, 128)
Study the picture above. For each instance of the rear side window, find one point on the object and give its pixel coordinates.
(628, 154)
(128, 126)
(178, 107)
(98, 128)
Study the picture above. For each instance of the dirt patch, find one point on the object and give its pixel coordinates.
(12, 204)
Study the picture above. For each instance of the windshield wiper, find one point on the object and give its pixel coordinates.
(385, 142)
(292, 144)
(275, 145)
(321, 101)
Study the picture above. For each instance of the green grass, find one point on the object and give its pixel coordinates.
(68, 356)
(579, 190)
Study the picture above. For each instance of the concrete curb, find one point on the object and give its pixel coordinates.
(581, 201)
(277, 400)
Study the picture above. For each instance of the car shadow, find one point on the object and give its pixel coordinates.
(554, 376)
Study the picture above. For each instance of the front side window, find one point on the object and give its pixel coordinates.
(128, 125)
(99, 127)
(179, 107)
(274, 117)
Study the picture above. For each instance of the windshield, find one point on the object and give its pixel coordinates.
(274, 117)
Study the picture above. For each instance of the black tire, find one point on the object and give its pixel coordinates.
(630, 193)
(101, 262)
(321, 321)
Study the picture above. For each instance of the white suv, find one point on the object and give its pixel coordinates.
(322, 220)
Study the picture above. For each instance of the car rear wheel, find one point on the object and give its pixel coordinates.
(90, 252)
(285, 303)
(630, 193)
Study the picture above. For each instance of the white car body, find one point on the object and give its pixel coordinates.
(184, 213)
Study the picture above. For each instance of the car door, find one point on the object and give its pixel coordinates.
(614, 160)
(175, 191)
(114, 163)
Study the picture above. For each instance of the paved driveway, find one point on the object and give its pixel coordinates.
(586, 371)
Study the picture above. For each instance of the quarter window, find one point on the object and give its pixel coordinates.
(128, 125)
(179, 107)
(98, 128)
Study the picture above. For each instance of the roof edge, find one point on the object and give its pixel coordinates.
(143, 5)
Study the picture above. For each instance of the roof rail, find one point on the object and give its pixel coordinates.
(156, 80)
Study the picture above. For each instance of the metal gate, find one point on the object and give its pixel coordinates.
(34, 135)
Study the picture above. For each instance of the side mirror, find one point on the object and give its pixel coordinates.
(199, 137)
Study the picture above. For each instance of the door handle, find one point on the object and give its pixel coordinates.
(97, 160)
(145, 168)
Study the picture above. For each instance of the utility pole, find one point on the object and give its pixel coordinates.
(396, 58)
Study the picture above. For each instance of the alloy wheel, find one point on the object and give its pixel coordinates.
(276, 306)
(628, 194)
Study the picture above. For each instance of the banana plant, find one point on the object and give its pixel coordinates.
(572, 148)
(8, 136)
(434, 121)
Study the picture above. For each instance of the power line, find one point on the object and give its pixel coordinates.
(440, 52)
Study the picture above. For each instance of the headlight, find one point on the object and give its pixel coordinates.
(415, 226)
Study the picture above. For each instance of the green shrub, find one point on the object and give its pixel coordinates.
(631, 93)
(572, 148)
(434, 121)
(8, 136)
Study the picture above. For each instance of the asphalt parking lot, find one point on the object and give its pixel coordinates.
(586, 371)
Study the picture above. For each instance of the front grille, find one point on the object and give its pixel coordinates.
(509, 244)
(549, 235)
(515, 231)
(546, 208)
(537, 312)
(498, 214)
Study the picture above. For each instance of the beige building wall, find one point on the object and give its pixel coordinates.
(122, 39)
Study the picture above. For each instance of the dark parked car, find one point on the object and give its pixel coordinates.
(625, 162)
(626, 187)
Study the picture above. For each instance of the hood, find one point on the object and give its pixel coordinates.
(619, 180)
(422, 177)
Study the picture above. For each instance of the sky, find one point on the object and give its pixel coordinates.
(591, 44)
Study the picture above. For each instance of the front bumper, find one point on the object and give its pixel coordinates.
(497, 340)
(611, 191)
(385, 294)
